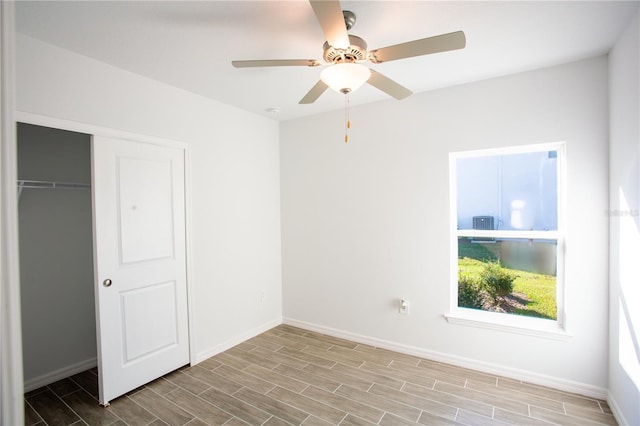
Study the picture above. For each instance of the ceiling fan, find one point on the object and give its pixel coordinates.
(345, 54)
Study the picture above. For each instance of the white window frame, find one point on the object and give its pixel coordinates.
(552, 329)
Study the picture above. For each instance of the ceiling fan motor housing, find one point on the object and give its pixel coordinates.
(356, 52)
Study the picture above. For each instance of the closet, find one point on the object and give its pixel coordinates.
(56, 253)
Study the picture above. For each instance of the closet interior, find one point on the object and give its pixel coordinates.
(56, 253)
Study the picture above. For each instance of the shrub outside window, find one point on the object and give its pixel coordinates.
(507, 235)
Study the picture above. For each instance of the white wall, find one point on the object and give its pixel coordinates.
(367, 222)
(624, 202)
(56, 254)
(235, 178)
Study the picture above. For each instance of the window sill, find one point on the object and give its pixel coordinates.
(537, 327)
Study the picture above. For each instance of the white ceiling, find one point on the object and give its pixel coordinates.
(190, 44)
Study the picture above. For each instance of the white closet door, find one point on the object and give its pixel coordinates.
(141, 288)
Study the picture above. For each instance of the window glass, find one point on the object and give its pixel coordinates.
(515, 191)
(531, 263)
(507, 231)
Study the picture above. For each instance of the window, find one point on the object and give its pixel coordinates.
(507, 237)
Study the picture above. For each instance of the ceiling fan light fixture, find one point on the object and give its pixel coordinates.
(346, 77)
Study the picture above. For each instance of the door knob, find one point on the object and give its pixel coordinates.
(106, 283)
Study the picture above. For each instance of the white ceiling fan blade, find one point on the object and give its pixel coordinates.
(388, 86)
(314, 93)
(276, 63)
(425, 46)
(329, 15)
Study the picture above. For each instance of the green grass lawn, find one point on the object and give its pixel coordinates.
(540, 289)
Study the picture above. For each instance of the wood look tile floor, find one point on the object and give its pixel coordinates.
(289, 376)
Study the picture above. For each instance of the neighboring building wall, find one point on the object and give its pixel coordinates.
(518, 190)
(367, 223)
(624, 218)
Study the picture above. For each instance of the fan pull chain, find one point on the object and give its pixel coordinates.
(346, 117)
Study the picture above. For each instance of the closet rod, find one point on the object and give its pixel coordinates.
(41, 184)
(50, 184)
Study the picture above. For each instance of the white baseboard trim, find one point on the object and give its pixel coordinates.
(208, 353)
(485, 367)
(62, 373)
(617, 412)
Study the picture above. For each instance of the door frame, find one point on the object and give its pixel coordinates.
(11, 372)
(74, 126)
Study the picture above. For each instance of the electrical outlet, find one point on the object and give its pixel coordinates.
(404, 307)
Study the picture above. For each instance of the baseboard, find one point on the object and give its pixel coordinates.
(485, 367)
(228, 344)
(79, 367)
(617, 412)
(62, 373)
